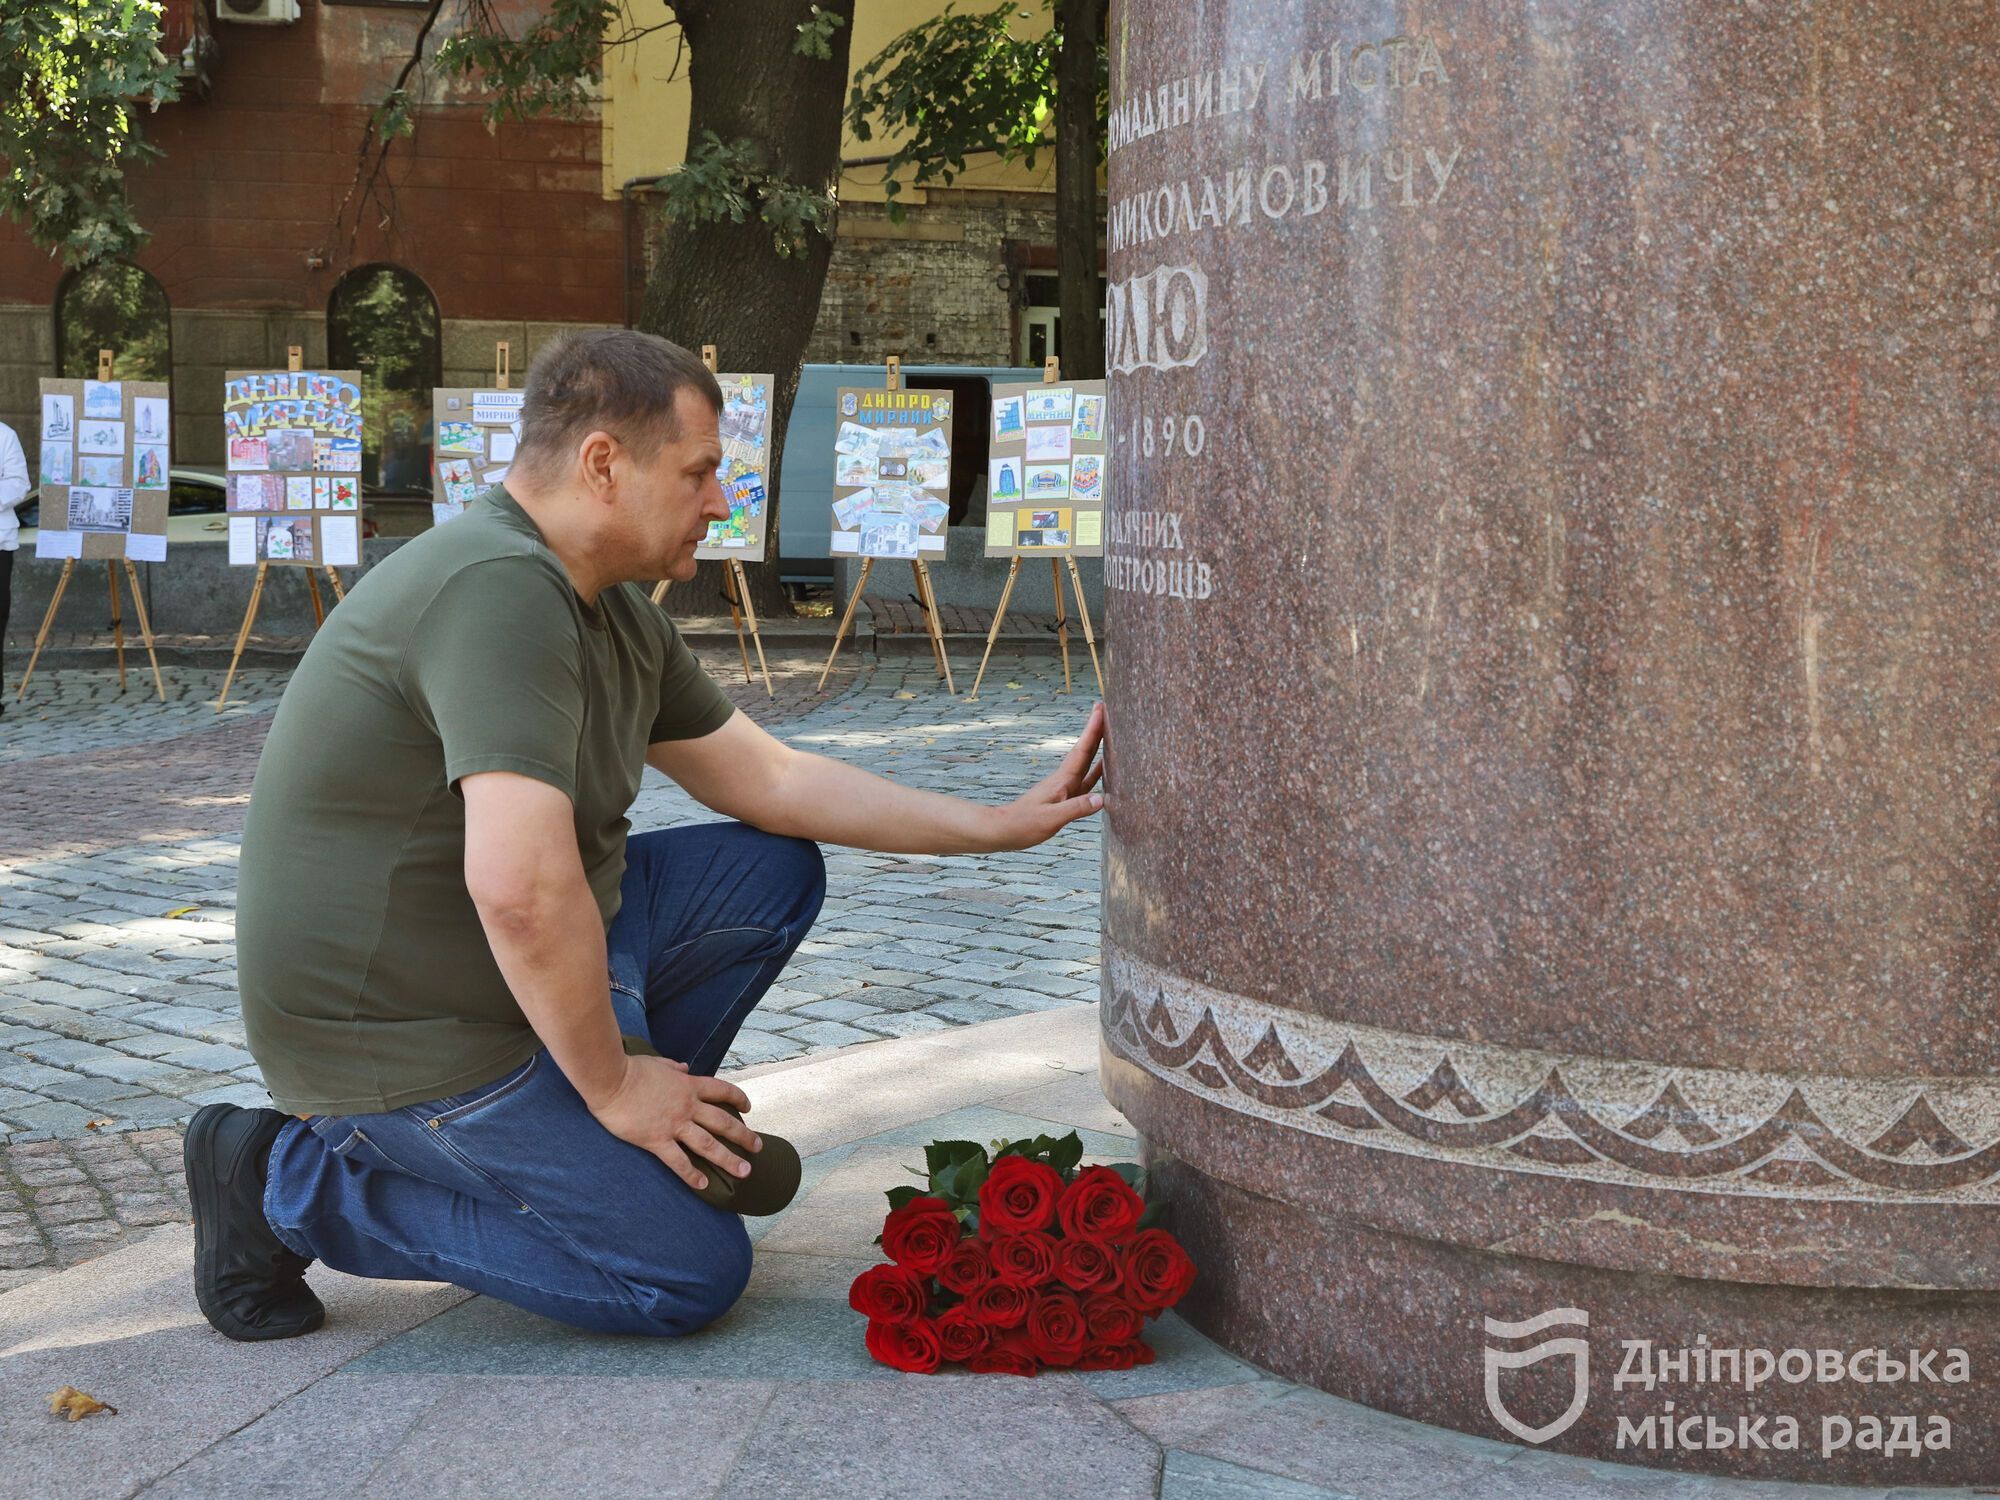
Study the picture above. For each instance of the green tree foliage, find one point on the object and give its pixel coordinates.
(960, 84)
(73, 74)
(964, 83)
(555, 67)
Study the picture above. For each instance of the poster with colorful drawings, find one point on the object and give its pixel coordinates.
(745, 470)
(103, 463)
(891, 473)
(476, 434)
(292, 440)
(1045, 470)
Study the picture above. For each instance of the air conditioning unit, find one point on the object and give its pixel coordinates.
(258, 12)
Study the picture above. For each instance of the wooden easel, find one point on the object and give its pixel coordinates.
(735, 588)
(104, 361)
(294, 362)
(925, 597)
(1051, 374)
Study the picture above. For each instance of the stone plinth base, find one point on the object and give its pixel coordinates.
(1399, 1324)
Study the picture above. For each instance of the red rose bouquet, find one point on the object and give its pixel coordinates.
(1019, 1260)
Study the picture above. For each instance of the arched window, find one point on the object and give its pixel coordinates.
(113, 305)
(383, 321)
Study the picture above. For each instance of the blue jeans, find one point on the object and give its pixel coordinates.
(514, 1189)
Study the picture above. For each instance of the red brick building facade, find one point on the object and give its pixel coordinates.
(509, 224)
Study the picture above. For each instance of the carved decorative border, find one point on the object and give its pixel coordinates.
(1906, 1140)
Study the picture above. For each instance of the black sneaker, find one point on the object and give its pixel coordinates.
(249, 1284)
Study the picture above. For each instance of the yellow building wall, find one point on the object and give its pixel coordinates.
(645, 109)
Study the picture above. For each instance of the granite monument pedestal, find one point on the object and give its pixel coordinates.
(1552, 934)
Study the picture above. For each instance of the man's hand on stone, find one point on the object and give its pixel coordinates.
(662, 1108)
(1059, 799)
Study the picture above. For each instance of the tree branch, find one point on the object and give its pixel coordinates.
(367, 174)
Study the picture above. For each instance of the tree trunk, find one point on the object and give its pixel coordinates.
(724, 283)
(1080, 290)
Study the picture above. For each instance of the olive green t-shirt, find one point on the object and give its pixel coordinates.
(366, 977)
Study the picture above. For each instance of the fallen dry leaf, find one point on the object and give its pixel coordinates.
(906, 695)
(181, 911)
(74, 1404)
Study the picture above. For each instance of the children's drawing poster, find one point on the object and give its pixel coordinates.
(745, 470)
(293, 445)
(103, 465)
(891, 473)
(1045, 470)
(476, 434)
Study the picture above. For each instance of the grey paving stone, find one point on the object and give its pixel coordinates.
(881, 997)
(758, 1046)
(243, 1095)
(828, 1034)
(155, 1109)
(966, 1012)
(757, 1339)
(92, 1091)
(835, 1010)
(67, 1119)
(900, 1023)
(1189, 1476)
(1316, 1439)
(62, 1024)
(210, 1057)
(942, 1425)
(20, 1073)
(1024, 1001)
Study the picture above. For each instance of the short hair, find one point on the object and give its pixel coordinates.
(616, 380)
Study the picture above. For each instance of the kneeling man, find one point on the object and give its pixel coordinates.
(445, 936)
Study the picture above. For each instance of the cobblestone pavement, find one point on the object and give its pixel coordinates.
(119, 823)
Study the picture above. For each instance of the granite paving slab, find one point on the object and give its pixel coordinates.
(924, 1438)
(125, 1328)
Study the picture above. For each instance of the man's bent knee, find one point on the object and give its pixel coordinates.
(696, 1300)
(799, 864)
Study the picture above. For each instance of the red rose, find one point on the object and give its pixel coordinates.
(1018, 1195)
(1120, 1356)
(1056, 1329)
(1157, 1271)
(1008, 1354)
(961, 1336)
(1099, 1205)
(887, 1294)
(998, 1304)
(1112, 1319)
(1023, 1259)
(968, 1269)
(921, 1234)
(909, 1346)
(1086, 1265)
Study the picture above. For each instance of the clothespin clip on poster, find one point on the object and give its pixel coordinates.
(295, 358)
(895, 373)
(1051, 370)
(503, 364)
(708, 357)
(103, 364)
